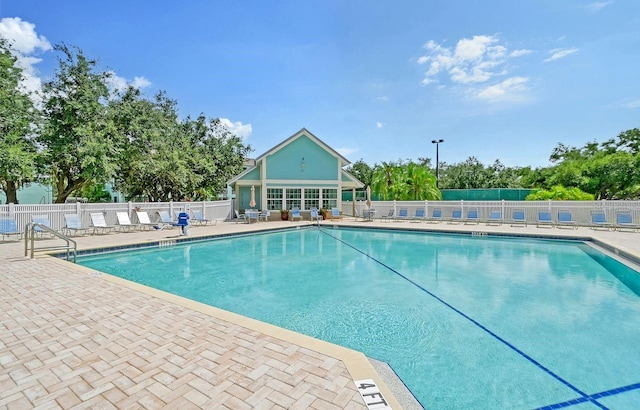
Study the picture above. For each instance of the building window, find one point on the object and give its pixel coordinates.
(274, 199)
(329, 198)
(293, 198)
(311, 198)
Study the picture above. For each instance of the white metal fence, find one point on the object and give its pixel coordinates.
(212, 210)
(580, 210)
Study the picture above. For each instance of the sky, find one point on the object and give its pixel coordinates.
(375, 80)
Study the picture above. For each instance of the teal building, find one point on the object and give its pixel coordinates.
(300, 172)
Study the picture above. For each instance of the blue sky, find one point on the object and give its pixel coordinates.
(376, 80)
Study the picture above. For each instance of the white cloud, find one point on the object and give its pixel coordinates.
(383, 98)
(25, 42)
(140, 82)
(241, 130)
(520, 53)
(379, 124)
(472, 61)
(511, 89)
(559, 53)
(117, 83)
(345, 152)
(633, 104)
(597, 6)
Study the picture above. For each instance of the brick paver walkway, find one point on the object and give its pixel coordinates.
(70, 339)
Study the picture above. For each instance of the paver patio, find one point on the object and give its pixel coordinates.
(74, 338)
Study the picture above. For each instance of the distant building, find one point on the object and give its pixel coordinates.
(300, 172)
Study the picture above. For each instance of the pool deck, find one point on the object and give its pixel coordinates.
(74, 338)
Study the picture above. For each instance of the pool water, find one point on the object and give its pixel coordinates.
(465, 322)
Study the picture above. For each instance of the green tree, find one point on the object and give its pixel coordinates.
(469, 174)
(218, 155)
(78, 140)
(404, 181)
(609, 170)
(385, 180)
(155, 161)
(18, 122)
(362, 171)
(420, 183)
(560, 193)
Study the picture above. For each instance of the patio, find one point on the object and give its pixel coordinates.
(71, 337)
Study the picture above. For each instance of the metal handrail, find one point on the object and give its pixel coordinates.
(30, 234)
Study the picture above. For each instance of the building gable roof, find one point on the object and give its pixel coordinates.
(304, 131)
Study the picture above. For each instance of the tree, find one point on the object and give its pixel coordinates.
(560, 193)
(18, 122)
(609, 170)
(385, 180)
(155, 161)
(404, 182)
(219, 155)
(420, 183)
(79, 143)
(165, 158)
(469, 174)
(362, 171)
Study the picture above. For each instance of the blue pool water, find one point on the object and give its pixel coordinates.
(465, 322)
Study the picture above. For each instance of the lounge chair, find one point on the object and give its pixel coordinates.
(73, 224)
(419, 214)
(388, 216)
(199, 219)
(239, 216)
(165, 221)
(544, 219)
(624, 220)
(144, 221)
(124, 222)
(565, 220)
(403, 214)
(42, 220)
(472, 217)
(99, 224)
(519, 218)
(599, 220)
(9, 227)
(315, 215)
(436, 216)
(456, 216)
(335, 213)
(495, 217)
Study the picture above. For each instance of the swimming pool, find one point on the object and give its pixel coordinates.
(466, 322)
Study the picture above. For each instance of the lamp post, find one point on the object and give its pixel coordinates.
(437, 142)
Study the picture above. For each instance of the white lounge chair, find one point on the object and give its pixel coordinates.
(99, 224)
(144, 222)
(124, 222)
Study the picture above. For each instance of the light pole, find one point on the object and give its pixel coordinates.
(437, 142)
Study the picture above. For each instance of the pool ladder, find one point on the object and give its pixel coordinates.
(29, 239)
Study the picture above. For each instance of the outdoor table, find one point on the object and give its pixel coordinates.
(252, 214)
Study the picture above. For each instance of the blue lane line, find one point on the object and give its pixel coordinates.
(607, 393)
(512, 347)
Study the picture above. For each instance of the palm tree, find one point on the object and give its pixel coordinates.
(420, 183)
